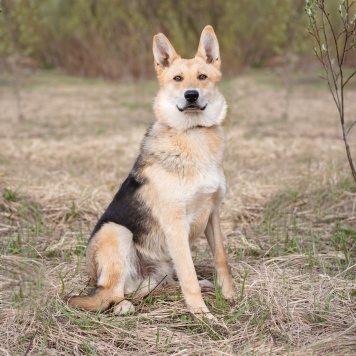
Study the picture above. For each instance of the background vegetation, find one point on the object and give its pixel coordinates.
(113, 38)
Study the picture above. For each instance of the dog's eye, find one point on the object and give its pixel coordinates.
(202, 77)
(178, 78)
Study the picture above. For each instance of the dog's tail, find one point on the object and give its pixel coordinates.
(99, 300)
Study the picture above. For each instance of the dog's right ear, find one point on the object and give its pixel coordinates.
(163, 52)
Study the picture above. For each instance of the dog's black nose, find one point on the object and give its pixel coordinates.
(191, 95)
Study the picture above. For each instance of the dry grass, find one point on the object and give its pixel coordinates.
(289, 219)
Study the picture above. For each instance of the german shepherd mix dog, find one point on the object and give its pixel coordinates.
(172, 194)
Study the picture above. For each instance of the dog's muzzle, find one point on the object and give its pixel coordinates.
(192, 108)
(191, 104)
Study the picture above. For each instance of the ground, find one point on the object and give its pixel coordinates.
(289, 219)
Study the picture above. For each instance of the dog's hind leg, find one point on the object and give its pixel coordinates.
(112, 263)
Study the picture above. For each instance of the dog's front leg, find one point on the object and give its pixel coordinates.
(215, 240)
(177, 235)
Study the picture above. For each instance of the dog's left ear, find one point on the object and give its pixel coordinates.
(209, 47)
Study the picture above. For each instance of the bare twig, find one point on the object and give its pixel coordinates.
(31, 342)
(327, 42)
(349, 78)
(349, 129)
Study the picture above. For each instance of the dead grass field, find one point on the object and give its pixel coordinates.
(289, 219)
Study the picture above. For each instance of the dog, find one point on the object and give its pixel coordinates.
(172, 194)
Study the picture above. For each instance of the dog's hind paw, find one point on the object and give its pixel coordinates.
(204, 283)
(124, 307)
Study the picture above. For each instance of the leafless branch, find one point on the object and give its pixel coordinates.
(327, 42)
(349, 78)
(349, 129)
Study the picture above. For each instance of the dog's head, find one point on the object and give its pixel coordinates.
(188, 95)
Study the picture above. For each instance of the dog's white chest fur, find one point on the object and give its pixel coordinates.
(193, 163)
(211, 180)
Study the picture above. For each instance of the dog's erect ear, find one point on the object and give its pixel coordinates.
(209, 47)
(163, 52)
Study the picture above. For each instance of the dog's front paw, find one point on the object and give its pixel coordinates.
(229, 294)
(203, 316)
(228, 291)
(124, 307)
(202, 313)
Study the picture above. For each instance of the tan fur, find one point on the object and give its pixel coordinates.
(100, 300)
(181, 185)
(105, 268)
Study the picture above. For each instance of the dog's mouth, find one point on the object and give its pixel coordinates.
(192, 108)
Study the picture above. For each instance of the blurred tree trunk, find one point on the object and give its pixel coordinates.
(6, 6)
(294, 22)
